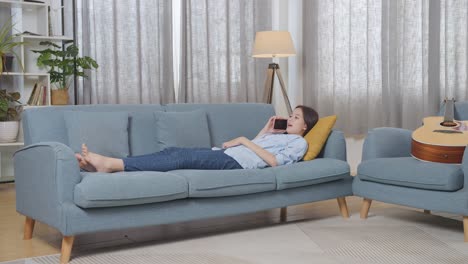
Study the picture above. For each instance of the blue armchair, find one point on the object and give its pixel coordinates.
(388, 173)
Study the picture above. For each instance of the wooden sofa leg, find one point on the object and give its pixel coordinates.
(67, 244)
(343, 207)
(283, 214)
(28, 228)
(366, 203)
(465, 227)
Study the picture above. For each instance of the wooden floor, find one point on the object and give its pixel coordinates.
(47, 240)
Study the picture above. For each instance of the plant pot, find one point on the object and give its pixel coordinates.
(60, 97)
(9, 131)
(8, 63)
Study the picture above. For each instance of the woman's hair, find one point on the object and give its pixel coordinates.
(311, 117)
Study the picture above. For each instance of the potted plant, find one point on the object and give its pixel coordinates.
(9, 105)
(7, 46)
(10, 108)
(62, 65)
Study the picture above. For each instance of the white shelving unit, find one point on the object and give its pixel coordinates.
(27, 17)
(31, 17)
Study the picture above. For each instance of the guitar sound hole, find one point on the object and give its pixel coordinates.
(448, 124)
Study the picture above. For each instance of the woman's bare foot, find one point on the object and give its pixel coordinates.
(101, 163)
(84, 164)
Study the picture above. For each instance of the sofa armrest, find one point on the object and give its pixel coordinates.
(335, 147)
(464, 166)
(387, 142)
(45, 177)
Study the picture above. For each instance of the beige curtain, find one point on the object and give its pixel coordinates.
(217, 40)
(132, 43)
(383, 62)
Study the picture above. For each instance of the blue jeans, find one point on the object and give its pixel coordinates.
(181, 158)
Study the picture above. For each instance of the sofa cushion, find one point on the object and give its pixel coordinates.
(410, 172)
(142, 133)
(217, 183)
(318, 135)
(105, 133)
(182, 129)
(309, 173)
(228, 121)
(128, 188)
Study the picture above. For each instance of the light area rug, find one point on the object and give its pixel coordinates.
(389, 236)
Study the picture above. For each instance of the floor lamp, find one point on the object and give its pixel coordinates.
(274, 44)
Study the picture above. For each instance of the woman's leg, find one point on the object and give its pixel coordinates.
(166, 160)
(181, 158)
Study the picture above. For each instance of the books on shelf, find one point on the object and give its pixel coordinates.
(38, 95)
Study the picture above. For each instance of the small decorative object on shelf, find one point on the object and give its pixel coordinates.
(62, 65)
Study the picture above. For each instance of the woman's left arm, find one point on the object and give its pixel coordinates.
(268, 157)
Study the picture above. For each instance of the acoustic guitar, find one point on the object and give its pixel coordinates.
(441, 139)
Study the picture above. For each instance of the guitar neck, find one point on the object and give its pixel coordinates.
(449, 112)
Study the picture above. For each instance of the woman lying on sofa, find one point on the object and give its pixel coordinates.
(271, 147)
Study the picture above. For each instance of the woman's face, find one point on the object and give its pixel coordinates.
(296, 123)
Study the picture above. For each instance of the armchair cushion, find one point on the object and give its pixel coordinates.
(413, 173)
(387, 142)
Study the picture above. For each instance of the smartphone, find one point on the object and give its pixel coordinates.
(280, 124)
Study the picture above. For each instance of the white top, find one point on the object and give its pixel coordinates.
(287, 149)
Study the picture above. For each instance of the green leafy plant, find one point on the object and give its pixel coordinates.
(7, 44)
(10, 106)
(63, 64)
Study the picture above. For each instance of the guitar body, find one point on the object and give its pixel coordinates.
(431, 143)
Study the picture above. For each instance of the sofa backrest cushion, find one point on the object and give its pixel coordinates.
(228, 121)
(48, 124)
(142, 133)
(182, 129)
(105, 133)
(225, 122)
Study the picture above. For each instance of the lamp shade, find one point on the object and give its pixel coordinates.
(269, 44)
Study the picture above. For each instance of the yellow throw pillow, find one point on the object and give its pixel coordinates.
(318, 135)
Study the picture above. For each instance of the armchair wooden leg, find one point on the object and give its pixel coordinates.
(67, 244)
(343, 207)
(465, 227)
(283, 214)
(28, 228)
(366, 203)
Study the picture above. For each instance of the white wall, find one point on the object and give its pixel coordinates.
(354, 151)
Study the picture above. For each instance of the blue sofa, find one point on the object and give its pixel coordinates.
(388, 173)
(50, 187)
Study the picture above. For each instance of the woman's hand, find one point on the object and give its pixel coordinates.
(234, 142)
(270, 126)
